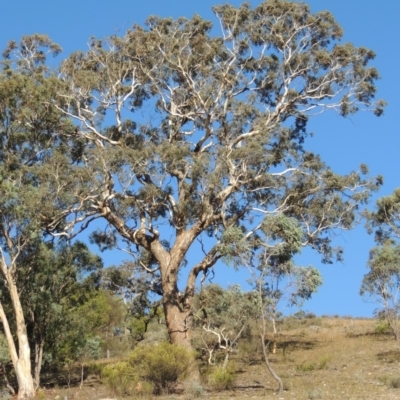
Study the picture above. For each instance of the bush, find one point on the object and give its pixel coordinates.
(305, 367)
(394, 382)
(119, 377)
(382, 328)
(221, 379)
(124, 381)
(162, 364)
(310, 315)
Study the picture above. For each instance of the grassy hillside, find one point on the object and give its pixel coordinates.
(317, 358)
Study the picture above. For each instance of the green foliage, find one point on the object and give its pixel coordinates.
(308, 367)
(232, 245)
(382, 328)
(305, 367)
(384, 275)
(87, 325)
(120, 377)
(91, 350)
(221, 379)
(162, 364)
(230, 308)
(382, 282)
(385, 220)
(4, 351)
(223, 317)
(286, 232)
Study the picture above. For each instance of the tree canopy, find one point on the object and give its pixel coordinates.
(184, 136)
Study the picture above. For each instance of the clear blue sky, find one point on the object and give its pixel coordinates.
(343, 143)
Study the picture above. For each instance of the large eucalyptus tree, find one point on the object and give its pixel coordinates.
(187, 140)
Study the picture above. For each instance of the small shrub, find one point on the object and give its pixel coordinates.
(299, 314)
(305, 367)
(315, 394)
(193, 390)
(40, 394)
(162, 364)
(394, 382)
(119, 377)
(221, 379)
(323, 363)
(382, 328)
(310, 315)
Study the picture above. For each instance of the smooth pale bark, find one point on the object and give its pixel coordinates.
(268, 365)
(38, 362)
(21, 359)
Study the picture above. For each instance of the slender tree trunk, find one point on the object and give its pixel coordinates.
(263, 331)
(22, 359)
(38, 362)
(226, 360)
(269, 367)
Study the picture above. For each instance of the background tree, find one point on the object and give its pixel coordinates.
(382, 282)
(223, 314)
(275, 277)
(29, 132)
(52, 281)
(274, 272)
(208, 136)
(384, 221)
(140, 292)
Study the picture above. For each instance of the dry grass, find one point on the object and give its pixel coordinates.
(322, 358)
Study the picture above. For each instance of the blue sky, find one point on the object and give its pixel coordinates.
(343, 143)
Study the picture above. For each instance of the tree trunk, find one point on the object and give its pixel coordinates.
(178, 325)
(226, 360)
(26, 388)
(22, 359)
(38, 362)
(269, 367)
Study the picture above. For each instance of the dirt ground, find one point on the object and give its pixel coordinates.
(319, 358)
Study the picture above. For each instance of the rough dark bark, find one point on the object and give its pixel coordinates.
(178, 324)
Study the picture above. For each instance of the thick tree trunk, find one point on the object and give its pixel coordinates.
(26, 389)
(178, 325)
